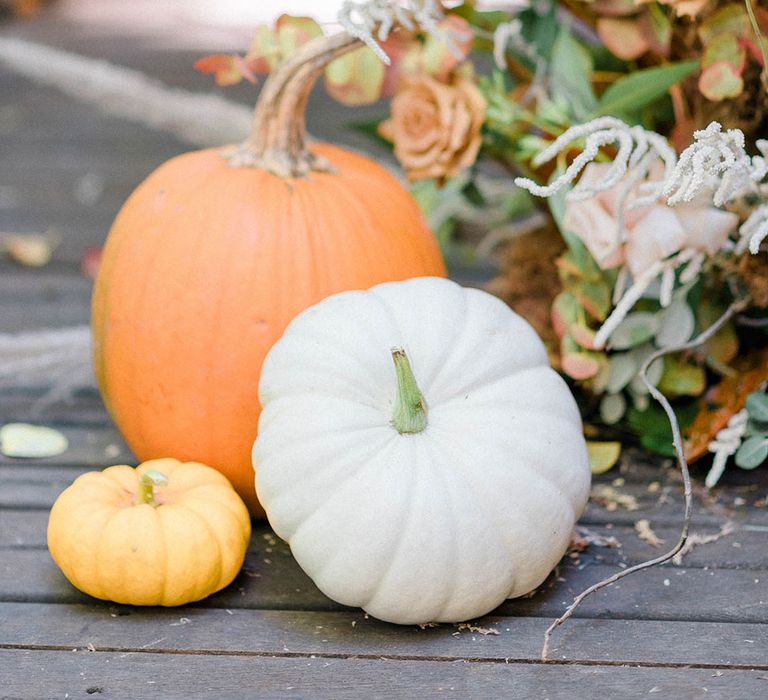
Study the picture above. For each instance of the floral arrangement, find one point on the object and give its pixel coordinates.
(633, 197)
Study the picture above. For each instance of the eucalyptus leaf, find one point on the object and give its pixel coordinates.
(624, 366)
(752, 453)
(677, 325)
(612, 408)
(641, 402)
(634, 330)
(757, 406)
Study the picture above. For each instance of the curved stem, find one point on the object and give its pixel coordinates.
(410, 414)
(277, 141)
(677, 440)
(147, 483)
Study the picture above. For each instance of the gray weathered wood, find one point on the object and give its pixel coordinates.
(82, 674)
(259, 636)
(274, 581)
(351, 633)
(744, 549)
(91, 447)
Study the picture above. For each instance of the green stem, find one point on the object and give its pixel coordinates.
(147, 483)
(410, 414)
(760, 41)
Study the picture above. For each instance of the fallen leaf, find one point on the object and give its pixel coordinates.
(611, 499)
(29, 441)
(645, 533)
(583, 537)
(29, 249)
(696, 538)
(475, 628)
(602, 455)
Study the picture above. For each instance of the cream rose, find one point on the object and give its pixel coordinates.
(652, 232)
(435, 126)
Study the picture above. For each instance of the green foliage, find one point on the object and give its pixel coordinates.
(757, 407)
(653, 428)
(634, 330)
(628, 96)
(570, 79)
(752, 452)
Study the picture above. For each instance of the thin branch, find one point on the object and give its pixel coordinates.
(760, 41)
(677, 440)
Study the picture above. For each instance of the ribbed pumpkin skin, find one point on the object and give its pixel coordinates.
(190, 546)
(205, 266)
(438, 525)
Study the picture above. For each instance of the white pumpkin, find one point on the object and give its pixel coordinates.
(473, 502)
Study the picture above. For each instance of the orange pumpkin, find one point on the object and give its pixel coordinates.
(214, 254)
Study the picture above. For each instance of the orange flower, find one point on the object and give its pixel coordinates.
(435, 126)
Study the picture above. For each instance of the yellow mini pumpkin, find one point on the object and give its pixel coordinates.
(164, 533)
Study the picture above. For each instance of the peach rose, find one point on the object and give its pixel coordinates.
(652, 232)
(435, 126)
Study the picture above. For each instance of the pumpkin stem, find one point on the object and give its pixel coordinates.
(410, 415)
(147, 483)
(277, 142)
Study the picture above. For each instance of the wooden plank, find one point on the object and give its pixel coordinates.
(24, 404)
(90, 447)
(35, 485)
(351, 633)
(744, 549)
(31, 299)
(32, 674)
(24, 485)
(273, 580)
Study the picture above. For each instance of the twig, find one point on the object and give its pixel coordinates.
(760, 41)
(697, 538)
(677, 440)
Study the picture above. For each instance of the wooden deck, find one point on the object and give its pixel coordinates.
(694, 630)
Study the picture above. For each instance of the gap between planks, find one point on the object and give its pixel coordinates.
(508, 661)
(348, 634)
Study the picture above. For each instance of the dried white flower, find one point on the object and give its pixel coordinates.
(715, 163)
(754, 230)
(693, 268)
(637, 149)
(664, 268)
(726, 443)
(373, 20)
(510, 34)
(667, 286)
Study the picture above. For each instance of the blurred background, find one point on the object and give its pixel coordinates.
(67, 163)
